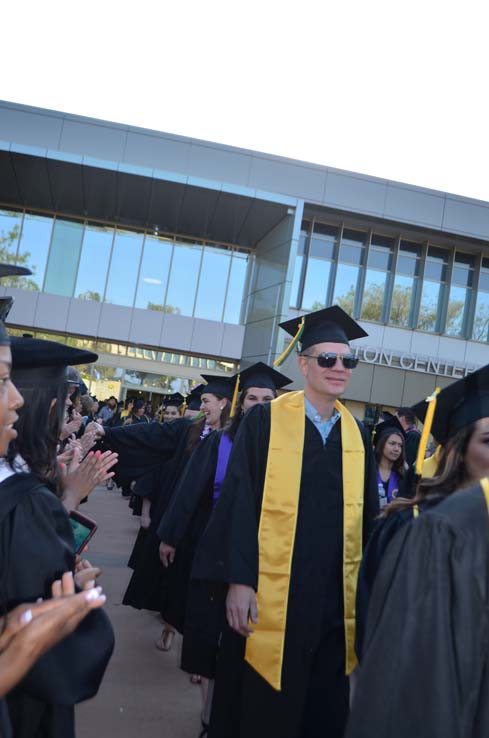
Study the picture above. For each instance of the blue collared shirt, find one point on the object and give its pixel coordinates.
(324, 427)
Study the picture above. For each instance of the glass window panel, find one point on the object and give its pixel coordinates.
(316, 284)
(236, 286)
(384, 242)
(403, 296)
(90, 283)
(345, 287)
(322, 248)
(436, 264)
(153, 277)
(34, 246)
(456, 310)
(429, 307)
(10, 225)
(461, 276)
(484, 280)
(124, 265)
(351, 253)
(183, 278)
(63, 258)
(379, 258)
(407, 265)
(212, 283)
(373, 294)
(481, 319)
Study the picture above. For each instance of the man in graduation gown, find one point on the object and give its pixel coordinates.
(287, 536)
(425, 669)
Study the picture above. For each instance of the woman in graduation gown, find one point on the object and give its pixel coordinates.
(37, 545)
(458, 425)
(425, 670)
(187, 516)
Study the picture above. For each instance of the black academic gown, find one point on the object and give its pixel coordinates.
(37, 547)
(149, 585)
(202, 603)
(425, 669)
(314, 697)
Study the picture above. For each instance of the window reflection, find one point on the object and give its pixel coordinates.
(377, 278)
(10, 226)
(480, 330)
(322, 249)
(124, 266)
(183, 278)
(94, 262)
(433, 289)
(34, 245)
(63, 258)
(460, 294)
(153, 276)
(405, 284)
(295, 298)
(347, 275)
(236, 286)
(212, 284)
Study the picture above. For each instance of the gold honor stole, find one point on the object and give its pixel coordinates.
(276, 534)
(484, 483)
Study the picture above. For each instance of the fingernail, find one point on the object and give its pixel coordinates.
(91, 595)
(26, 617)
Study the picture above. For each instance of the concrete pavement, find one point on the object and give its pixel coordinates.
(144, 693)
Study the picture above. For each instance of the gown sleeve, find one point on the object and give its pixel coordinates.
(426, 638)
(143, 445)
(228, 550)
(383, 533)
(197, 479)
(37, 548)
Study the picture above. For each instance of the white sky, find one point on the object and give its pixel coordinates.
(388, 88)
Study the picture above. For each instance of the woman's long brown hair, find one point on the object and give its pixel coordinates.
(195, 431)
(451, 474)
(398, 464)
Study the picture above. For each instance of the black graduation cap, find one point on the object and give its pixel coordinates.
(330, 325)
(458, 405)
(5, 307)
(11, 270)
(42, 363)
(223, 386)
(193, 399)
(176, 399)
(263, 376)
(386, 427)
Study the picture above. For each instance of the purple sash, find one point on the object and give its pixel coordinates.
(225, 446)
(392, 487)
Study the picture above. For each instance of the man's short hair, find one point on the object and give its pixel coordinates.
(406, 412)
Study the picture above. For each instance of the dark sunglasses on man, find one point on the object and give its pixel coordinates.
(328, 360)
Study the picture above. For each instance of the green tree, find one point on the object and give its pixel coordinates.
(90, 295)
(163, 308)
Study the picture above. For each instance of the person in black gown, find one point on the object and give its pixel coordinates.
(37, 546)
(425, 670)
(458, 423)
(295, 685)
(187, 516)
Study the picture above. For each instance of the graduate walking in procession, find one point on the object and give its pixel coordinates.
(286, 535)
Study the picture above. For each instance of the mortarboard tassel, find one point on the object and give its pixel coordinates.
(234, 401)
(285, 354)
(428, 422)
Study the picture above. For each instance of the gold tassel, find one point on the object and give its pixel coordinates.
(285, 354)
(183, 408)
(235, 397)
(428, 422)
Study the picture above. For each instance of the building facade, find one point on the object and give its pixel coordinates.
(172, 256)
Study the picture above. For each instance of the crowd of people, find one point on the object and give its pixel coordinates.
(327, 579)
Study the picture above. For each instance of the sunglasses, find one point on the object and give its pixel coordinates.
(326, 361)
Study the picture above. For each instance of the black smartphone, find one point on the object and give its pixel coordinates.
(83, 529)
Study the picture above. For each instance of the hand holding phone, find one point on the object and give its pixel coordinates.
(83, 529)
